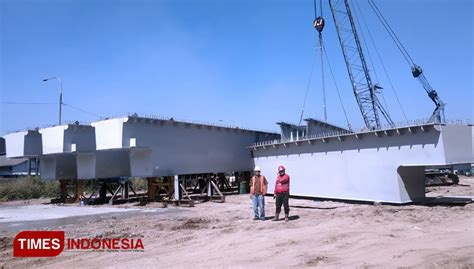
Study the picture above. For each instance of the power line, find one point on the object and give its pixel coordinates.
(28, 103)
(51, 103)
(83, 111)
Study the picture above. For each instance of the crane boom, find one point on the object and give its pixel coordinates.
(438, 113)
(362, 85)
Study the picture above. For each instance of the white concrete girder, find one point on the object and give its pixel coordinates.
(368, 167)
(60, 146)
(23, 144)
(181, 147)
(134, 162)
(68, 138)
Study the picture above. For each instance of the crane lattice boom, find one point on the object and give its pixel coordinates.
(362, 85)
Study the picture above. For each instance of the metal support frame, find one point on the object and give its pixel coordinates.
(188, 189)
(121, 194)
(33, 162)
(362, 85)
(122, 191)
(177, 193)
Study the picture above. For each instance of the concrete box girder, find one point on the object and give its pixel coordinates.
(179, 147)
(382, 165)
(23, 144)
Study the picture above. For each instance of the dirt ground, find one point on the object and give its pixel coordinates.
(319, 234)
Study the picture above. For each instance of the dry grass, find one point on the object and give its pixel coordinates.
(27, 188)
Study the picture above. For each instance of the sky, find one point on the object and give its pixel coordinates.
(233, 62)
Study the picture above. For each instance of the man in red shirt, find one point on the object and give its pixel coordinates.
(282, 193)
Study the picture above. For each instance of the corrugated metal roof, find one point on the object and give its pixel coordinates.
(4, 161)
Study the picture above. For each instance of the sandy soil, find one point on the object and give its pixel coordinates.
(319, 234)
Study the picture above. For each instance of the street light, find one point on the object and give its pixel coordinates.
(60, 95)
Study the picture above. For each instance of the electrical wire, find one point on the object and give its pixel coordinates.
(50, 103)
(29, 103)
(83, 111)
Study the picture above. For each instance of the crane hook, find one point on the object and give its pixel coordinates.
(318, 23)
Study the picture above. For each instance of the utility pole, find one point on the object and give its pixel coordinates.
(60, 95)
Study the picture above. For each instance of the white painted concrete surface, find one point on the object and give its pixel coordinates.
(23, 144)
(176, 147)
(383, 166)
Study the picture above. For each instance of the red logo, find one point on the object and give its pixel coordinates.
(38, 244)
(52, 243)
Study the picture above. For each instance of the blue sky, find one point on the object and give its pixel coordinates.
(237, 62)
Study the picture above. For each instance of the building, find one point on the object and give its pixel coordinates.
(15, 167)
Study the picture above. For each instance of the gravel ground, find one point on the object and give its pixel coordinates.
(320, 233)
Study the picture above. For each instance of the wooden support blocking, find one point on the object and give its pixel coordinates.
(120, 189)
(178, 189)
(71, 191)
(79, 190)
(188, 189)
(214, 186)
(153, 189)
(63, 189)
(175, 193)
(159, 189)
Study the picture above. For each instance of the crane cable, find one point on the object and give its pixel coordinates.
(371, 61)
(321, 5)
(392, 34)
(315, 9)
(416, 70)
(323, 51)
(307, 89)
(337, 88)
(308, 85)
(318, 24)
(381, 63)
(322, 77)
